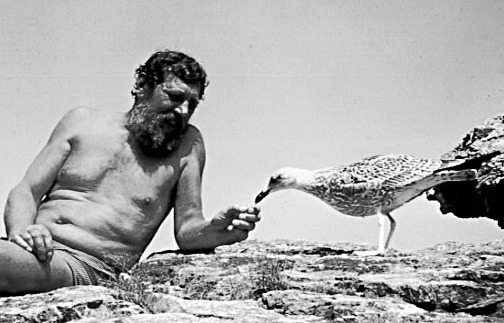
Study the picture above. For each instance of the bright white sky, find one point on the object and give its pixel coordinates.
(293, 83)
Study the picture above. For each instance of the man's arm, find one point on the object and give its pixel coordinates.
(25, 198)
(192, 230)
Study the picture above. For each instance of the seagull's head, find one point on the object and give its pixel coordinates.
(284, 178)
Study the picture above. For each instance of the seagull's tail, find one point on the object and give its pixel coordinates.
(470, 163)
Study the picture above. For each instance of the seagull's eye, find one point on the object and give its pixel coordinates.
(275, 179)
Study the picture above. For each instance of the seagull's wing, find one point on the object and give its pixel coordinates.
(355, 178)
(409, 170)
(387, 172)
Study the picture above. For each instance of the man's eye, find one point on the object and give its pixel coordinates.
(176, 97)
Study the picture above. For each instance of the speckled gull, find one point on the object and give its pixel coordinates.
(375, 185)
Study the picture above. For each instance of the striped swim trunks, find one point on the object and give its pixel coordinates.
(86, 269)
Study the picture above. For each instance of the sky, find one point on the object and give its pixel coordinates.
(309, 84)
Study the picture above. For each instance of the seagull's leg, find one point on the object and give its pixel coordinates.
(382, 244)
(392, 229)
(381, 233)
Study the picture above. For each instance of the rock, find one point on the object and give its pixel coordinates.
(64, 305)
(349, 308)
(287, 281)
(484, 197)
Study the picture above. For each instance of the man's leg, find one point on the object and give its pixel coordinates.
(22, 272)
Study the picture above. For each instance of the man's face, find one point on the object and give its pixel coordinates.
(160, 117)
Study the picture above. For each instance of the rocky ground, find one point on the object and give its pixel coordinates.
(287, 281)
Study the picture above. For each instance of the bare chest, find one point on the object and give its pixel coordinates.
(113, 172)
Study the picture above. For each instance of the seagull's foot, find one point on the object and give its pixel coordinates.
(370, 253)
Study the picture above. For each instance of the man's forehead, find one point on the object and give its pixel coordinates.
(173, 81)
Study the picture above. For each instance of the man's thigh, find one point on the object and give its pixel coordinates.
(21, 271)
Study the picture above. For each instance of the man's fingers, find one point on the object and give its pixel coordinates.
(37, 239)
(251, 209)
(42, 241)
(243, 225)
(236, 210)
(249, 217)
(48, 245)
(255, 209)
(40, 248)
(17, 239)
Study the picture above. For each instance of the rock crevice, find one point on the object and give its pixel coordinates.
(484, 197)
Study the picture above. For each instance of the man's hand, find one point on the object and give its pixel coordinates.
(236, 222)
(35, 239)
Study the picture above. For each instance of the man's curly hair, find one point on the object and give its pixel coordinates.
(183, 66)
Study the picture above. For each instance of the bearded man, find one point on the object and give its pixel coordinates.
(94, 197)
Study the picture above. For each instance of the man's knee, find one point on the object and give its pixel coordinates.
(22, 272)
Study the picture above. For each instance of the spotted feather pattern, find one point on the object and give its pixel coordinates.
(379, 182)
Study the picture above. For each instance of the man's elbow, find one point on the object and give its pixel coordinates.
(187, 241)
(19, 192)
(194, 237)
(194, 245)
(183, 242)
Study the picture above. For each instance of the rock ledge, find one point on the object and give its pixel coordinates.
(287, 281)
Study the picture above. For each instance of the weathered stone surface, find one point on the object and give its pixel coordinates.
(288, 281)
(483, 198)
(65, 305)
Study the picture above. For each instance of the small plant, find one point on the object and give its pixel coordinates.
(235, 287)
(233, 278)
(155, 272)
(198, 286)
(268, 275)
(131, 290)
(135, 286)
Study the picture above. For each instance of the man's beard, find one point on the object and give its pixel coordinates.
(157, 134)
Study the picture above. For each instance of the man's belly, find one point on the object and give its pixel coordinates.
(96, 230)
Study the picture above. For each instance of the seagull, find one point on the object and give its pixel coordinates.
(374, 185)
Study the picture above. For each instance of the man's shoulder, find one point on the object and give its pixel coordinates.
(192, 146)
(81, 121)
(193, 131)
(193, 137)
(89, 117)
(83, 113)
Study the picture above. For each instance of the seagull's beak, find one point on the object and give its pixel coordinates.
(261, 196)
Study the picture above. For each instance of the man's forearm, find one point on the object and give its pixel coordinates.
(228, 226)
(20, 211)
(198, 235)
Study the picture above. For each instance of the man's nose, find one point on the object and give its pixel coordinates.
(183, 108)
